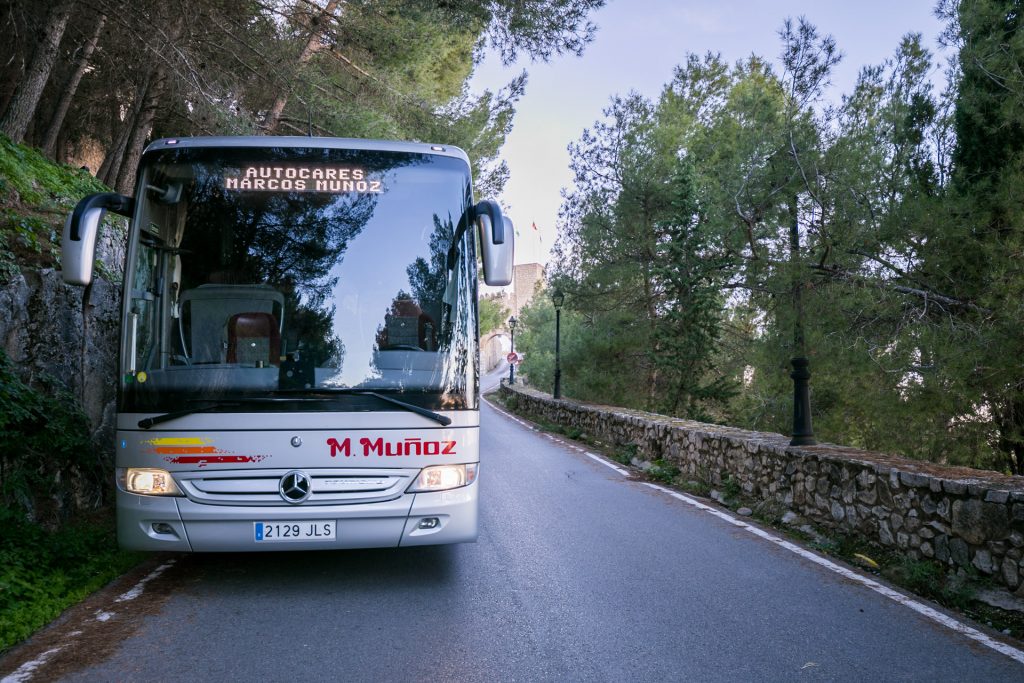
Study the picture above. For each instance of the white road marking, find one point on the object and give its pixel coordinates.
(25, 671)
(137, 589)
(606, 463)
(510, 416)
(918, 607)
(551, 437)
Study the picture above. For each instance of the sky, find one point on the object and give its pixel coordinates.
(637, 46)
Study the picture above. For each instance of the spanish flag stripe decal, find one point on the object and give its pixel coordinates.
(185, 450)
(179, 441)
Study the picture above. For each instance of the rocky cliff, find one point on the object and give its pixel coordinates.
(64, 337)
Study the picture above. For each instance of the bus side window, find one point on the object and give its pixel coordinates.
(143, 308)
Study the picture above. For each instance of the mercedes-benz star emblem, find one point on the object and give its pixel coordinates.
(295, 487)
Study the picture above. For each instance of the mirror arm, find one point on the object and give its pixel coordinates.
(493, 211)
(111, 201)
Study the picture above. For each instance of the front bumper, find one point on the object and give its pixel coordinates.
(180, 525)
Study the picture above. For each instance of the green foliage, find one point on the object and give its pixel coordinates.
(731, 488)
(663, 471)
(8, 260)
(574, 433)
(38, 181)
(930, 579)
(697, 488)
(640, 273)
(492, 315)
(625, 453)
(44, 572)
(736, 223)
(37, 195)
(975, 252)
(46, 453)
(512, 402)
(687, 272)
(383, 69)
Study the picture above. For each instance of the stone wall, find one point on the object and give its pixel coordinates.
(966, 519)
(67, 336)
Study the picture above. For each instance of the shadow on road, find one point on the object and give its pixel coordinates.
(428, 565)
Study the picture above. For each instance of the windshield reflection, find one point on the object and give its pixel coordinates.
(243, 292)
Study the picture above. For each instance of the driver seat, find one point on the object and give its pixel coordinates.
(253, 337)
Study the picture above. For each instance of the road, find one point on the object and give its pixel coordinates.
(580, 574)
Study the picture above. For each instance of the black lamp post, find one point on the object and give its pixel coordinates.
(557, 298)
(803, 432)
(512, 366)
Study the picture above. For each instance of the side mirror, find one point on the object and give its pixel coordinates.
(497, 243)
(78, 243)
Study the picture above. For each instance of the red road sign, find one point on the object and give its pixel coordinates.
(512, 357)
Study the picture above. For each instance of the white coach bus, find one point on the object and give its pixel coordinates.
(299, 365)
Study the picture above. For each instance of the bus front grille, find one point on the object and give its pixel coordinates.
(262, 487)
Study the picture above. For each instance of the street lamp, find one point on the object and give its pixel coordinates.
(557, 298)
(512, 366)
(803, 432)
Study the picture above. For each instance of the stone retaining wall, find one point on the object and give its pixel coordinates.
(961, 517)
(65, 335)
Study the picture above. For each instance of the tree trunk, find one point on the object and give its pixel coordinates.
(1009, 419)
(22, 106)
(111, 167)
(141, 124)
(141, 129)
(68, 93)
(311, 48)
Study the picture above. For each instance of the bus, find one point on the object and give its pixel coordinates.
(299, 364)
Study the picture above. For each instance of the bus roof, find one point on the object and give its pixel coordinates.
(307, 142)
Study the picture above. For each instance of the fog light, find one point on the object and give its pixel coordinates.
(163, 528)
(150, 481)
(428, 523)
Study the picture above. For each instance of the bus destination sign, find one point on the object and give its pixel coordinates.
(292, 178)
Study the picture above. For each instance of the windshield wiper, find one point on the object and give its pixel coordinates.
(430, 414)
(148, 422)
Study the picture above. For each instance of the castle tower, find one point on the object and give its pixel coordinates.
(527, 279)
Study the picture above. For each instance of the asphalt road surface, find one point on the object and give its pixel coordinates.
(580, 574)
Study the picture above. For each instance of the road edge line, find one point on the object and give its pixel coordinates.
(607, 464)
(593, 456)
(27, 671)
(919, 607)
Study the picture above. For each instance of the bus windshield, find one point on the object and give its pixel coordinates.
(281, 271)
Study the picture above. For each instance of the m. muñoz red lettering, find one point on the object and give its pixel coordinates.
(409, 446)
(345, 447)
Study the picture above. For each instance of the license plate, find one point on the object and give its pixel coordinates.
(282, 532)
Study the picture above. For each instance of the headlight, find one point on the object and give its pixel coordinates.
(148, 481)
(444, 477)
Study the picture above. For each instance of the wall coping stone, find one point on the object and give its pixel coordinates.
(883, 463)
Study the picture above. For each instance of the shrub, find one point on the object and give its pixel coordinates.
(47, 457)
